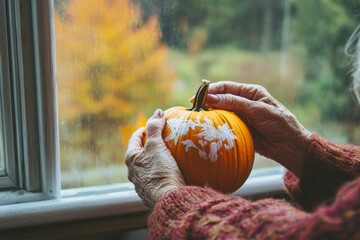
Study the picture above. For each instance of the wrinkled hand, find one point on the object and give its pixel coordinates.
(151, 167)
(276, 131)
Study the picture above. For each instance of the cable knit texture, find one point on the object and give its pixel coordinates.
(328, 166)
(329, 191)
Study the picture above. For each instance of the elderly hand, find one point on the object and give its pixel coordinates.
(276, 131)
(151, 167)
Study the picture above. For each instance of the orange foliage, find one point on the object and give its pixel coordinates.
(127, 130)
(109, 63)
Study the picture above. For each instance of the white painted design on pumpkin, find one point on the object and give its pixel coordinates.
(216, 137)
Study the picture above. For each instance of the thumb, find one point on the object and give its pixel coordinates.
(155, 125)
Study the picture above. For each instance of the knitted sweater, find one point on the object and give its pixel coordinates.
(329, 190)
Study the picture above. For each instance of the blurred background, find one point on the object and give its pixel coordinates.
(118, 61)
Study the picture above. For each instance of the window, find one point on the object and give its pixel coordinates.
(117, 61)
(3, 171)
(2, 159)
(28, 124)
(7, 167)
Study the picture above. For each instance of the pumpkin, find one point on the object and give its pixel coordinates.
(212, 147)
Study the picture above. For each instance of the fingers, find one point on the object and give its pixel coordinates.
(252, 111)
(135, 144)
(249, 91)
(155, 125)
(151, 168)
(135, 141)
(231, 103)
(154, 128)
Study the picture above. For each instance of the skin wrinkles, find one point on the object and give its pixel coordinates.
(274, 128)
(250, 91)
(277, 135)
(152, 181)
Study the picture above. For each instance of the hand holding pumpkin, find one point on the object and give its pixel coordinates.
(151, 167)
(276, 131)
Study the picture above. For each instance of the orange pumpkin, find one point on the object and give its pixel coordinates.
(211, 147)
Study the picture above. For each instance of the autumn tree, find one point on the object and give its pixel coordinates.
(110, 64)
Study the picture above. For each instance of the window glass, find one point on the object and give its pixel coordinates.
(2, 159)
(118, 61)
(2, 54)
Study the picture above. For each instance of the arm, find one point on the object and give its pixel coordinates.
(198, 213)
(327, 167)
(321, 165)
(193, 211)
(277, 134)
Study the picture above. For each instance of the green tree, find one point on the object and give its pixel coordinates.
(241, 23)
(322, 28)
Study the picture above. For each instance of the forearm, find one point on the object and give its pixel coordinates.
(193, 212)
(198, 213)
(327, 167)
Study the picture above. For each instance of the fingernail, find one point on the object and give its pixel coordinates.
(159, 113)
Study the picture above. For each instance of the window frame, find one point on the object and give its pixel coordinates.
(37, 198)
(8, 175)
(32, 133)
(116, 200)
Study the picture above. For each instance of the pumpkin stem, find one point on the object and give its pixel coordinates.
(200, 97)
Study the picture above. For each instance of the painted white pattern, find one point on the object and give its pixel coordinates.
(216, 137)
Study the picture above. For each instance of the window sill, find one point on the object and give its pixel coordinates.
(113, 200)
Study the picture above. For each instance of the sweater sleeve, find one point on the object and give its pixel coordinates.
(327, 167)
(201, 213)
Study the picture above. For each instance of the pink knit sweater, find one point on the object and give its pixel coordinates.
(327, 197)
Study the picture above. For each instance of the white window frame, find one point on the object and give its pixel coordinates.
(115, 200)
(28, 84)
(8, 175)
(35, 199)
